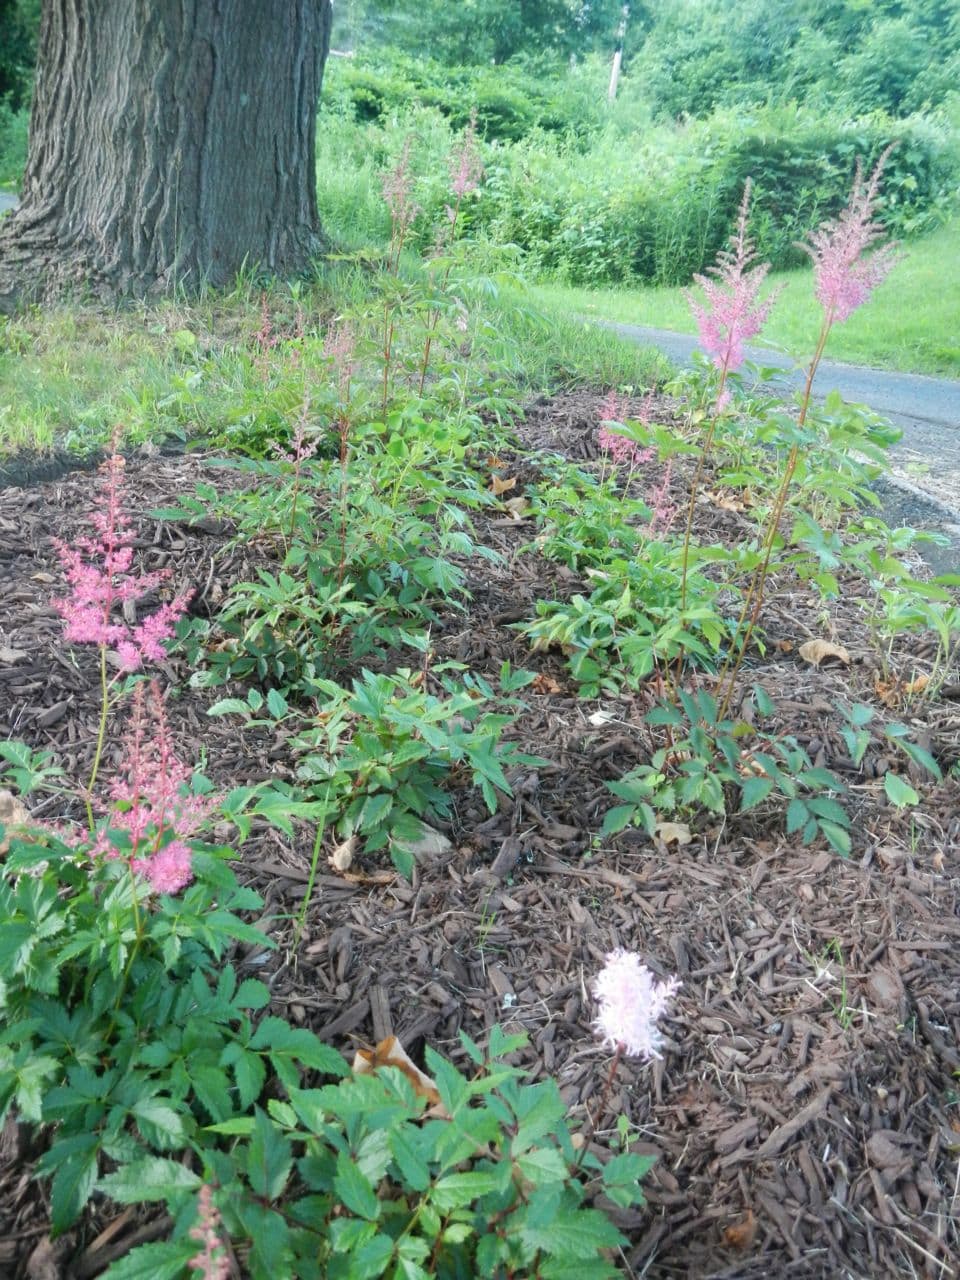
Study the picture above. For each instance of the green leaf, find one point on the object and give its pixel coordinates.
(153, 1178)
(154, 1262)
(797, 815)
(269, 1159)
(575, 1233)
(72, 1187)
(413, 1168)
(615, 819)
(354, 1189)
(837, 837)
(276, 704)
(898, 791)
(542, 1165)
(753, 790)
(158, 1122)
(459, 1189)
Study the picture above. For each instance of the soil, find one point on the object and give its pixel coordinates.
(805, 1111)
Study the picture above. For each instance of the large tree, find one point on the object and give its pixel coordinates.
(171, 142)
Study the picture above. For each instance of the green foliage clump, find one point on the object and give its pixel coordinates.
(158, 1075)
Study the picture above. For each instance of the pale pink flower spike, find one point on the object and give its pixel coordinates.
(844, 277)
(733, 313)
(211, 1262)
(99, 573)
(630, 1004)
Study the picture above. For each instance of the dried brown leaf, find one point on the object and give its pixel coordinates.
(741, 1234)
(817, 652)
(677, 833)
(391, 1053)
(341, 858)
(498, 486)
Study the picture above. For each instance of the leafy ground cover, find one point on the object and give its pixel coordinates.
(403, 708)
(803, 1115)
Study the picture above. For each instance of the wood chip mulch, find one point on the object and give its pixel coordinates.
(805, 1113)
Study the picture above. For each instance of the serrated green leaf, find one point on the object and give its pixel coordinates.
(269, 1158)
(542, 1165)
(158, 1122)
(413, 1168)
(753, 791)
(459, 1189)
(574, 1233)
(898, 791)
(615, 819)
(164, 1261)
(152, 1178)
(354, 1189)
(72, 1187)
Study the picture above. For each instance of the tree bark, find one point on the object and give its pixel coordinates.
(172, 143)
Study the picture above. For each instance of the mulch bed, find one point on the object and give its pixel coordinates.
(805, 1112)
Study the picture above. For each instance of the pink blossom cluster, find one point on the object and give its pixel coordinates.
(621, 450)
(397, 187)
(211, 1263)
(663, 512)
(153, 807)
(630, 1005)
(844, 278)
(97, 570)
(466, 168)
(339, 346)
(733, 313)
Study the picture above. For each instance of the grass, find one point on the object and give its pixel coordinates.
(910, 324)
(71, 374)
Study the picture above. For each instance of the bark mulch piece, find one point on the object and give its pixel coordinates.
(805, 1112)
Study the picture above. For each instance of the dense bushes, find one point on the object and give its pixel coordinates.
(631, 200)
(510, 100)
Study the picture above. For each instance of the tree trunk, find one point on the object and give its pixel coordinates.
(171, 144)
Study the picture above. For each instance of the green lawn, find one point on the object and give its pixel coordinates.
(911, 323)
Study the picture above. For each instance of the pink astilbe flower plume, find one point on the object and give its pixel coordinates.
(211, 1262)
(733, 313)
(98, 571)
(612, 412)
(153, 807)
(630, 1004)
(844, 278)
(466, 168)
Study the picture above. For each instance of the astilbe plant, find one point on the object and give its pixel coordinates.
(154, 811)
(397, 188)
(843, 281)
(630, 1004)
(732, 314)
(620, 448)
(104, 584)
(466, 174)
(211, 1263)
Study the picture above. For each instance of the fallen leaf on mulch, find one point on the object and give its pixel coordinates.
(12, 815)
(819, 651)
(498, 486)
(391, 1053)
(741, 1234)
(542, 683)
(673, 833)
(342, 856)
(518, 507)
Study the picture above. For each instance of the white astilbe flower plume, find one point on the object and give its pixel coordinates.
(630, 1004)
